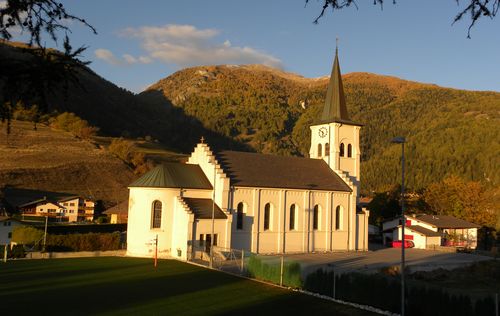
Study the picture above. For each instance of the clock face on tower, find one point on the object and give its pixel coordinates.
(323, 132)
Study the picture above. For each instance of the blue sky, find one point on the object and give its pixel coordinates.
(140, 42)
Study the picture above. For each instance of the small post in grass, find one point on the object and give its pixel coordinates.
(5, 256)
(334, 287)
(496, 304)
(281, 270)
(242, 259)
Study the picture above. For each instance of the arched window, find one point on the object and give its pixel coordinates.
(337, 217)
(239, 216)
(316, 217)
(319, 150)
(156, 215)
(292, 217)
(349, 150)
(267, 216)
(327, 149)
(341, 149)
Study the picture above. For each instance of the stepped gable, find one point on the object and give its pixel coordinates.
(271, 171)
(202, 208)
(174, 175)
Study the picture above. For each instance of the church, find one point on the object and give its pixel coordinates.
(254, 202)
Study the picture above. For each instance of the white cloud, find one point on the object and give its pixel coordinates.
(185, 45)
(107, 56)
(127, 59)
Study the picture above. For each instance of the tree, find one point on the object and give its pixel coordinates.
(475, 8)
(385, 205)
(42, 70)
(466, 200)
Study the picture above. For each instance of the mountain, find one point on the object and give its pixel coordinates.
(257, 108)
(56, 161)
(449, 131)
(118, 112)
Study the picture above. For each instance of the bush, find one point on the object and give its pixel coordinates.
(121, 148)
(69, 122)
(271, 272)
(27, 235)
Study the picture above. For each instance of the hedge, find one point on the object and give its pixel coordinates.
(384, 292)
(84, 242)
(271, 272)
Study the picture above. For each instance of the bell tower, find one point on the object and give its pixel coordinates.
(334, 137)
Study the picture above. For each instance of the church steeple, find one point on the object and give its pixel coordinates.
(335, 108)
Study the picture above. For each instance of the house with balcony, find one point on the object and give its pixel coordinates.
(57, 206)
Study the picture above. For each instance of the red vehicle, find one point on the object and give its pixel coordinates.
(398, 244)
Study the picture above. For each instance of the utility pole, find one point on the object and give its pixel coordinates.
(45, 234)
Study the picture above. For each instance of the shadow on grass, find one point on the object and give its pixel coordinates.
(92, 293)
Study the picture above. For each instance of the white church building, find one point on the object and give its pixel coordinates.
(257, 202)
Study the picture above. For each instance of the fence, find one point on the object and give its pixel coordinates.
(376, 290)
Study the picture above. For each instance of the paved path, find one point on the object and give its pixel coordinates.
(373, 261)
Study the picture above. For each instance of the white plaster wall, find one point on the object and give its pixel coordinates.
(7, 227)
(181, 230)
(203, 156)
(139, 231)
(204, 226)
(415, 221)
(419, 240)
(433, 241)
(362, 232)
(279, 238)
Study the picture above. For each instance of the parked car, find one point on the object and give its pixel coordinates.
(398, 243)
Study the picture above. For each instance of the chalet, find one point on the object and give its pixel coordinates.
(256, 202)
(68, 209)
(57, 206)
(428, 231)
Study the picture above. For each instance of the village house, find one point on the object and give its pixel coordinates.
(68, 209)
(118, 214)
(257, 202)
(7, 225)
(429, 231)
(57, 206)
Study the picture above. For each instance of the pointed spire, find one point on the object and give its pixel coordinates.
(335, 107)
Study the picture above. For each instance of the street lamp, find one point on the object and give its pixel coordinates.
(401, 140)
(213, 216)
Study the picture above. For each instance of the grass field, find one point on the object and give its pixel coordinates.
(132, 286)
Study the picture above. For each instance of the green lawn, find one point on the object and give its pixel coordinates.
(132, 286)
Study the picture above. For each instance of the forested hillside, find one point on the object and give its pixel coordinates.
(449, 131)
(262, 109)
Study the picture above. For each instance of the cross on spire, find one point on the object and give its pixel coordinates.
(202, 140)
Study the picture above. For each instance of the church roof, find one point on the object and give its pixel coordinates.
(335, 109)
(270, 171)
(174, 175)
(202, 208)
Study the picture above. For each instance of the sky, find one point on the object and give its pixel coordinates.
(141, 42)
